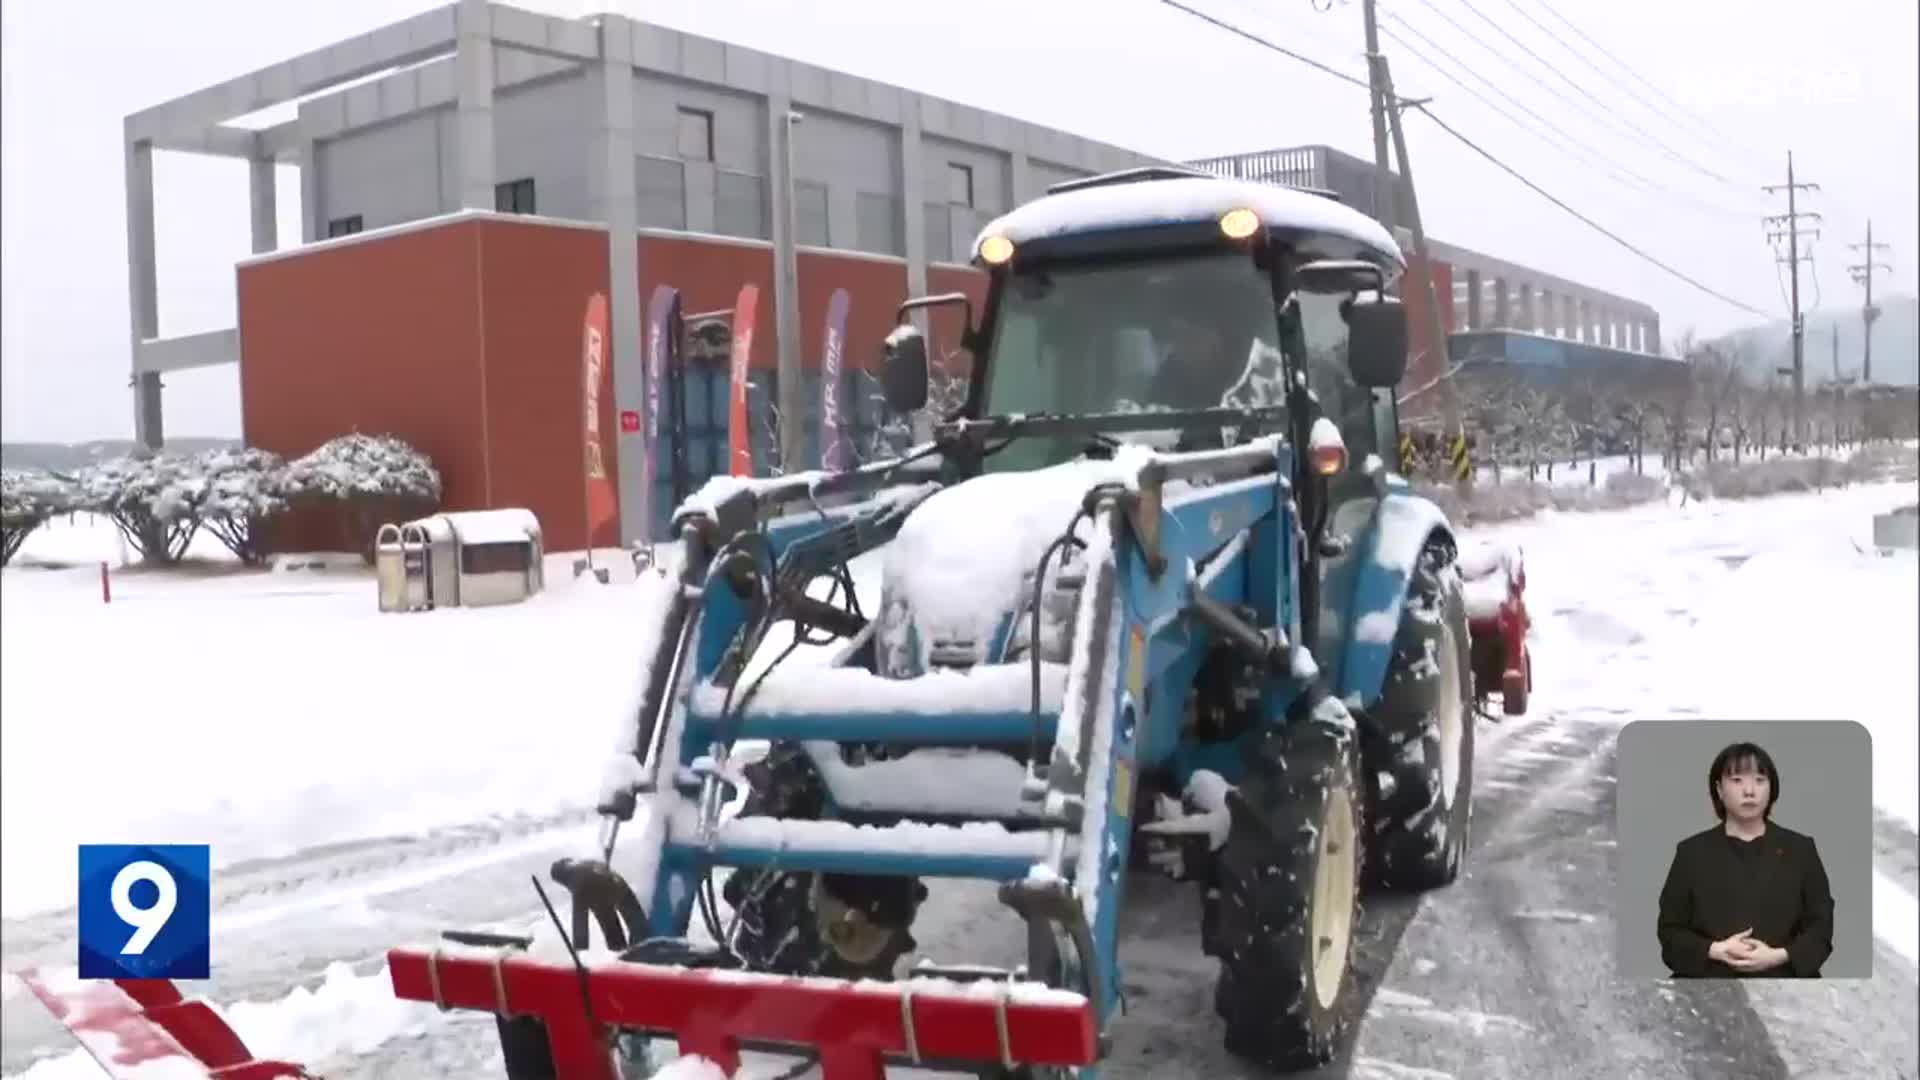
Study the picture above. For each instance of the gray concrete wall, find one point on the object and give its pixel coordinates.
(405, 169)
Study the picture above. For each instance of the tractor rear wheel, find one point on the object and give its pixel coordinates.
(1288, 891)
(1420, 760)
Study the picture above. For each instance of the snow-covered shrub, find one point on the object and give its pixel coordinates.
(244, 490)
(1514, 499)
(153, 500)
(379, 478)
(28, 497)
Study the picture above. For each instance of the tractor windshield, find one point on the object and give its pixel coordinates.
(1188, 332)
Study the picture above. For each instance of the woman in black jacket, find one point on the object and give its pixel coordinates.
(1747, 898)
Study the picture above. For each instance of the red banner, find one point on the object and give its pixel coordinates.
(603, 502)
(739, 437)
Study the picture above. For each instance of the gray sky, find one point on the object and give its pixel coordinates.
(1837, 84)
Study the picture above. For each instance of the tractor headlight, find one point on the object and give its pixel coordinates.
(995, 250)
(1240, 223)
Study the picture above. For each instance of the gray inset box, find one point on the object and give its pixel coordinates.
(1825, 794)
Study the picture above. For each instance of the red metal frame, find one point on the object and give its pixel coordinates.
(853, 1027)
(1508, 627)
(127, 1024)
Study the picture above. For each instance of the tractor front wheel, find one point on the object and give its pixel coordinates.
(1421, 760)
(1288, 891)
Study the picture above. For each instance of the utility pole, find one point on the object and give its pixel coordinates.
(1863, 275)
(1791, 222)
(1384, 201)
(1386, 115)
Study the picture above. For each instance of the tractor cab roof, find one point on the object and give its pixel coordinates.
(1105, 211)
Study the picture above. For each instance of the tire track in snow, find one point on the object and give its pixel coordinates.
(1509, 972)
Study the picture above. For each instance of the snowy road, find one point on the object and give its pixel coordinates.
(1509, 973)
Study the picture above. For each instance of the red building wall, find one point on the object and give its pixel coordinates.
(463, 338)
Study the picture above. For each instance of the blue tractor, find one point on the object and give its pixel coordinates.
(1150, 599)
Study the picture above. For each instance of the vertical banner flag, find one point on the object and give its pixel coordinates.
(833, 447)
(662, 351)
(603, 503)
(739, 437)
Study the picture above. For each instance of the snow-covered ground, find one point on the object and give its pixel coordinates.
(276, 712)
(269, 712)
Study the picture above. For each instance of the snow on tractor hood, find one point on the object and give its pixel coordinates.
(962, 562)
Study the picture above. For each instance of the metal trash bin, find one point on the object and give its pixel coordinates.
(390, 568)
(402, 567)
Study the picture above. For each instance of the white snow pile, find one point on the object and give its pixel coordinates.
(966, 556)
(331, 722)
(365, 466)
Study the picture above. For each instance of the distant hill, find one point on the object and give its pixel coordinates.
(64, 457)
(1896, 343)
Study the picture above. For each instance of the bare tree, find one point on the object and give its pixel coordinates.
(1716, 378)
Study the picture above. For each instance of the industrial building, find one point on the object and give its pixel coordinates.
(462, 171)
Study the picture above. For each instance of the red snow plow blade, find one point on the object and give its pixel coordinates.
(1495, 581)
(853, 1029)
(133, 1026)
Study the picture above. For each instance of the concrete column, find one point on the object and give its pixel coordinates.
(473, 110)
(263, 203)
(1527, 320)
(913, 187)
(143, 294)
(1502, 312)
(1473, 300)
(611, 199)
(1020, 169)
(1571, 318)
(1549, 314)
(1653, 334)
(313, 222)
(782, 128)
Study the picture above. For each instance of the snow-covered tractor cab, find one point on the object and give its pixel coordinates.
(1149, 599)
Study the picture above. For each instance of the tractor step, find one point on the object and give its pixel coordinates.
(983, 850)
(990, 704)
(854, 1028)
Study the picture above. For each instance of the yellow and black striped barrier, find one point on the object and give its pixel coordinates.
(1462, 462)
(1406, 454)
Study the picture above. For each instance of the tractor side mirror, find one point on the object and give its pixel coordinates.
(903, 374)
(1376, 341)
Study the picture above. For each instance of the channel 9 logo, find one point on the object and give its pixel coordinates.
(145, 911)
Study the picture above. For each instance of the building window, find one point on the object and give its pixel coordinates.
(514, 196)
(959, 184)
(939, 226)
(696, 135)
(810, 213)
(343, 226)
(660, 193)
(740, 205)
(877, 224)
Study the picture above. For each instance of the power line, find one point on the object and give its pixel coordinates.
(1425, 110)
(1594, 160)
(1604, 116)
(1703, 125)
(1232, 29)
(1620, 173)
(1595, 226)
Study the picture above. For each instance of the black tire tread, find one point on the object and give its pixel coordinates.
(1264, 874)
